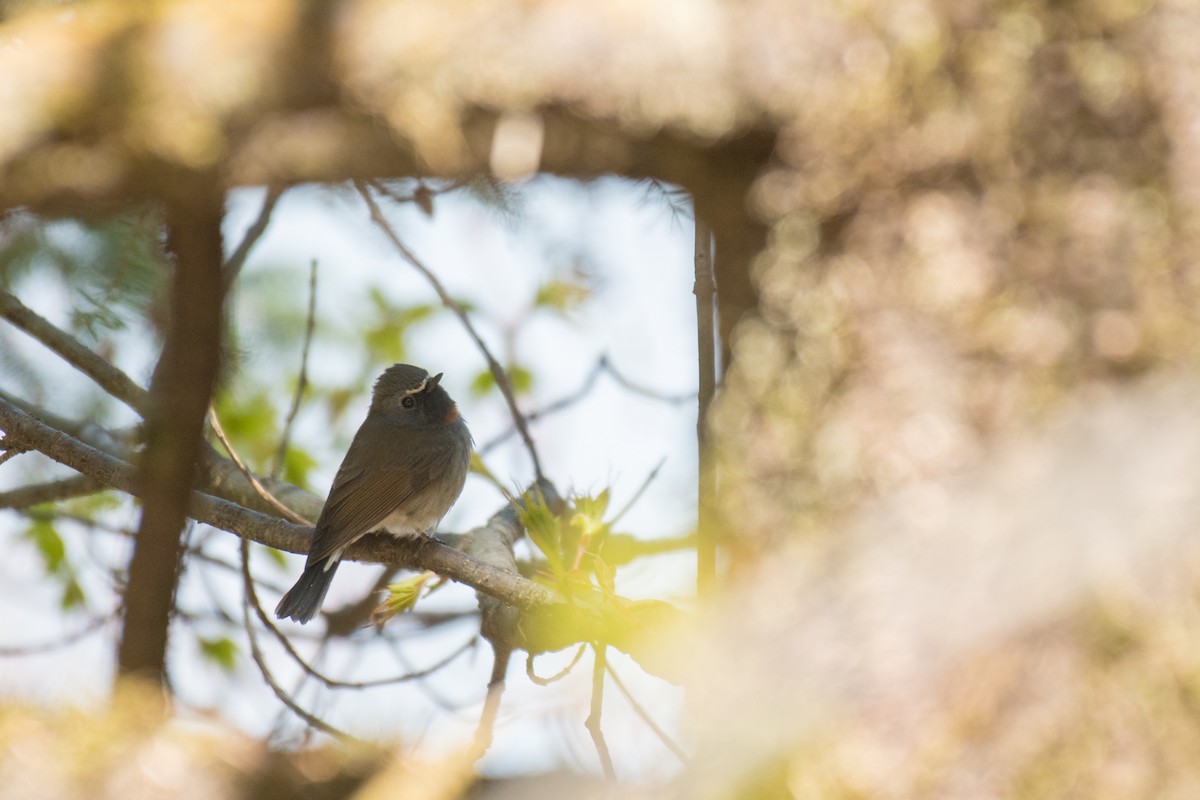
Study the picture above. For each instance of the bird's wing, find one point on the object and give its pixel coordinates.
(365, 496)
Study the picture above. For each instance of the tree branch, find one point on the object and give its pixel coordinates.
(497, 371)
(106, 376)
(49, 492)
(548, 623)
(179, 395)
(706, 546)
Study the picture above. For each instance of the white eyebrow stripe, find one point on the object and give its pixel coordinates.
(419, 388)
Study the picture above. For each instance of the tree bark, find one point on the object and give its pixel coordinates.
(179, 396)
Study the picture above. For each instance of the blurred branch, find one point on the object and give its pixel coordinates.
(531, 673)
(706, 547)
(547, 622)
(108, 377)
(87, 630)
(260, 661)
(667, 741)
(215, 422)
(310, 320)
(237, 259)
(49, 492)
(603, 364)
(592, 723)
(497, 371)
(183, 383)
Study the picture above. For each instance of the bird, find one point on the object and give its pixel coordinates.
(405, 468)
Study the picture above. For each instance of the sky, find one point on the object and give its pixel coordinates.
(638, 256)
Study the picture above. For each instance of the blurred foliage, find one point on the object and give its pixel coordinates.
(981, 210)
(978, 212)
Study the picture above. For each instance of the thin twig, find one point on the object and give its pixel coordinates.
(491, 703)
(258, 487)
(649, 720)
(260, 662)
(641, 490)
(553, 408)
(677, 398)
(603, 364)
(71, 638)
(237, 259)
(706, 547)
(302, 380)
(497, 371)
(105, 375)
(49, 492)
(593, 721)
(558, 676)
(333, 683)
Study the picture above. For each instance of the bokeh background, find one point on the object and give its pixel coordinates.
(955, 443)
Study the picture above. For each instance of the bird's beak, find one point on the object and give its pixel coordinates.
(433, 382)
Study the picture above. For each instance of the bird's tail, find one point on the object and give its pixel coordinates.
(303, 601)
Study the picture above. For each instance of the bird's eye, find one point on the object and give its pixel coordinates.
(408, 402)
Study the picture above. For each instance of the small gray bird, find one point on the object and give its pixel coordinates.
(403, 471)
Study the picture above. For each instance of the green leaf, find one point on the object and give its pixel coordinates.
(402, 596)
(605, 577)
(482, 383)
(520, 378)
(222, 651)
(48, 543)
(561, 295)
(277, 556)
(296, 466)
(542, 526)
(72, 594)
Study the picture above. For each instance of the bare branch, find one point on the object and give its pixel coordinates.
(301, 381)
(649, 720)
(87, 630)
(706, 547)
(541, 631)
(215, 422)
(237, 259)
(49, 492)
(256, 654)
(106, 376)
(497, 371)
(592, 723)
(558, 676)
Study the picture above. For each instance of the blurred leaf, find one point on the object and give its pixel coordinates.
(482, 383)
(72, 595)
(542, 526)
(48, 543)
(278, 557)
(222, 651)
(402, 596)
(520, 378)
(605, 577)
(249, 422)
(479, 468)
(561, 295)
(593, 507)
(297, 464)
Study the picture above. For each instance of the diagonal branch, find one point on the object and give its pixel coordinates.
(497, 371)
(108, 377)
(555, 624)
